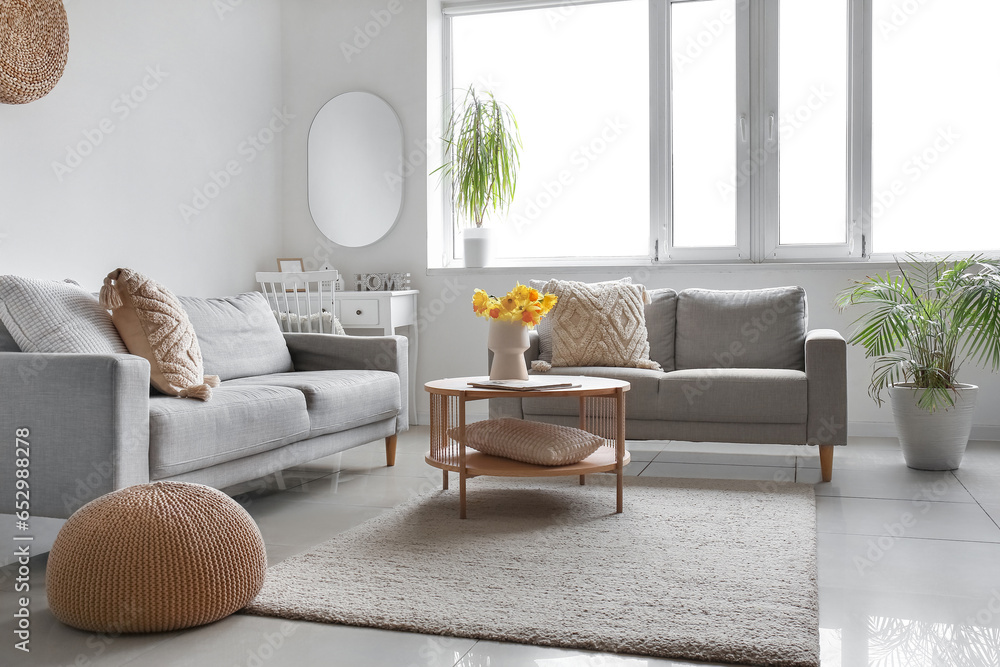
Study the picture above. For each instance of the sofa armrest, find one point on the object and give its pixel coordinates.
(322, 352)
(87, 417)
(826, 373)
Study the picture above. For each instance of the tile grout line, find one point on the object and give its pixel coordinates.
(463, 656)
(976, 500)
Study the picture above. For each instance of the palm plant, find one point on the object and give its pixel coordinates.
(925, 321)
(482, 141)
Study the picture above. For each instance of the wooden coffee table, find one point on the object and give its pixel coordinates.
(602, 412)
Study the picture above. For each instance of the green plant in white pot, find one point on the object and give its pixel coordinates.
(481, 151)
(924, 320)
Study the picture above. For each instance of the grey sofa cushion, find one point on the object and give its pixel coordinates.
(640, 399)
(238, 335)
(747, 395)
(51, 316)
(186, 435)
(340, 399)
(741, 329)
(661, 321)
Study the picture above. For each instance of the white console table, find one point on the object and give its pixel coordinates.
(386, 311)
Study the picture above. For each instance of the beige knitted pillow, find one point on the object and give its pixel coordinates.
(598, 324)
(544, 328)
(155, 326)
(530, 442)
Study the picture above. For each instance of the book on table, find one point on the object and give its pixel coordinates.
(522, 385)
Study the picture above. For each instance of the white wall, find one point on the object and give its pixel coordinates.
(142, 156)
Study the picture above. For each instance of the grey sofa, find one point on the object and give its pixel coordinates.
(737, 366)
(284, 399)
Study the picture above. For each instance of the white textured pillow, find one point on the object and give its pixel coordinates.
(49, 316)
(598, 324)
(544, 327)
(530, 442)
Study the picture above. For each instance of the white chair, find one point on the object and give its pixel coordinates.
(301, 302)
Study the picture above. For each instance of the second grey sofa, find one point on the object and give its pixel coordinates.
(737, 366)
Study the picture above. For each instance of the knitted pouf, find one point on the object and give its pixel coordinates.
(155, 557)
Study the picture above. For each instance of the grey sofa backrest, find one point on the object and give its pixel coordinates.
(661, 318)
(763, 328)
(238, 335)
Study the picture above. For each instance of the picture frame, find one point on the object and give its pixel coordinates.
(290, 265)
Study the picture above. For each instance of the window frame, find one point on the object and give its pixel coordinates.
(758, 199)
(662, 107)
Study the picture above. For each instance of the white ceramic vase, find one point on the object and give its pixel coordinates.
(508, 341)
(932, 440)
(478, 244)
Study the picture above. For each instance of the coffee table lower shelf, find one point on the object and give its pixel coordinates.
(478, 464)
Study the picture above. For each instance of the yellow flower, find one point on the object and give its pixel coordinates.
(532, 314)
(480, 301)
(522, 304)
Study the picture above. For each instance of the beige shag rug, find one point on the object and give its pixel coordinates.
(721, 571)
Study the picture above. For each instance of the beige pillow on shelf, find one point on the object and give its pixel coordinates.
(155, 326)
(598, 324)
(530, 442)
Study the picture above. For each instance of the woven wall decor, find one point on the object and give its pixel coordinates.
(34, 44)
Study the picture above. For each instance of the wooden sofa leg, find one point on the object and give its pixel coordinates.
(390, 451)
(826, 461)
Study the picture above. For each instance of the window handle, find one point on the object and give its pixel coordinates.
(770, 127)
(743, 127)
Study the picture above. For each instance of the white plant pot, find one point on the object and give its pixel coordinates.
(933, 440)
(478, 246)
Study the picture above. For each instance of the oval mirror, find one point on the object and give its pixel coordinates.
(355, 180)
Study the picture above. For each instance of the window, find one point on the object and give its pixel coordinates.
(577, 80)
(741, 130)
(811, 123)
(709, 129)
(935, 137)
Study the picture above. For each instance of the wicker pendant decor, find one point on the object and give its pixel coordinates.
(34, 43)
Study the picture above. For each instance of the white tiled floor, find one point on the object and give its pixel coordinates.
(909, 564)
